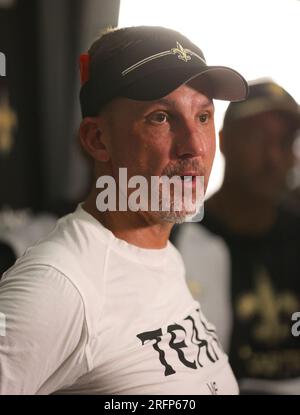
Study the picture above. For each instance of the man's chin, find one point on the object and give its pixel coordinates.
(175, 217)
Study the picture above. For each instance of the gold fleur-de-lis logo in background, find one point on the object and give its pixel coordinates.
(8, 123)
(275, 90)
(183, 54)
(268, 305)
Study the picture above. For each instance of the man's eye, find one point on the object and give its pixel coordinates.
(158, 117)
(203, 118)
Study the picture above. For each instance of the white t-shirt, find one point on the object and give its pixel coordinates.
(87, 313)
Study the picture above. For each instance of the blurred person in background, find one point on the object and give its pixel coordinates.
(292, 197)
(242, 261)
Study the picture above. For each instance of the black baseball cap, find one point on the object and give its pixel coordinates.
(265, 95)
(147, 63)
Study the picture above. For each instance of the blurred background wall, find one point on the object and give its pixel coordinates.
(40, 163)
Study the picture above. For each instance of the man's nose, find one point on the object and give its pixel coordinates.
(190, 141)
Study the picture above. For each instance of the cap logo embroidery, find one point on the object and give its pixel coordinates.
(182, 54)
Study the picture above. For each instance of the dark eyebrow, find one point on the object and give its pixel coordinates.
(166, 101)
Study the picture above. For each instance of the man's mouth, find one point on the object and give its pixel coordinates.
(189, 179)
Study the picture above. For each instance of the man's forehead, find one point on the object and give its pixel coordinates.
(185, 94)
(171, 102)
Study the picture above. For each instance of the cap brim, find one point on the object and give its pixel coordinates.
(217, 82)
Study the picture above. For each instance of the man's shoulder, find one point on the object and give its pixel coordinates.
(74, 243)
(75, 249)
(71, 255)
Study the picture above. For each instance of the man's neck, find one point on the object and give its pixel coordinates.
(242, 212)
(136, 228)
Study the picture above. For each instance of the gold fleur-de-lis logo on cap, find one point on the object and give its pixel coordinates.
(183, 54)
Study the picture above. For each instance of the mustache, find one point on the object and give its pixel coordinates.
(182, 166)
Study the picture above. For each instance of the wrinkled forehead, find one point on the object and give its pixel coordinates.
(187, 96)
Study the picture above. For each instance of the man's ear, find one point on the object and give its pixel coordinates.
(92, 133)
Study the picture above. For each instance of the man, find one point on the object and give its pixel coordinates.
(101, 305)
(245, 253)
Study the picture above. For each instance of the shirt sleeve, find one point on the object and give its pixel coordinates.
(42, 331)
